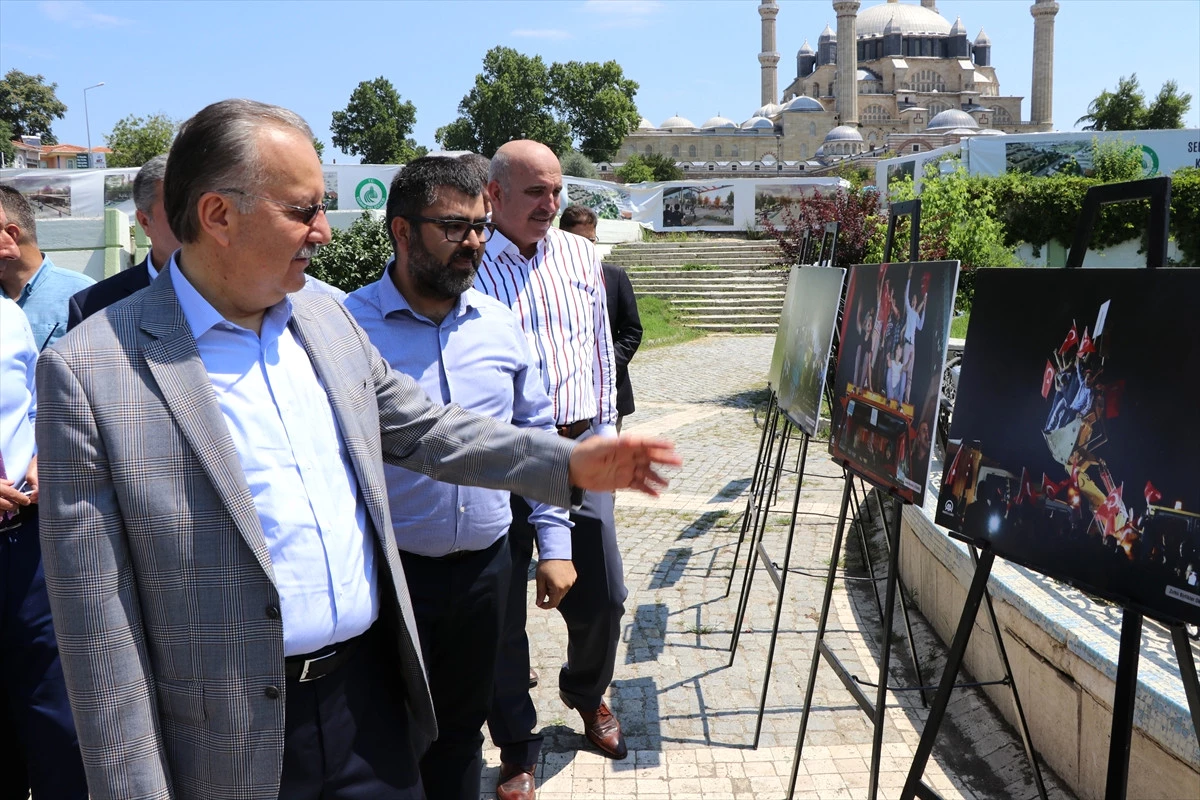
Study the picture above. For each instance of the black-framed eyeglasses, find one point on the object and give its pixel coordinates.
(457, 230)
(306, 213)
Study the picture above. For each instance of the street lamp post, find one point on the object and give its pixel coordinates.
(87, 123)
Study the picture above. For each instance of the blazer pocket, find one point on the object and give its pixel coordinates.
(182, 701)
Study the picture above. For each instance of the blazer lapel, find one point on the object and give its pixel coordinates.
(175, 363)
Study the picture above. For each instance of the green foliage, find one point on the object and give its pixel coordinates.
(1185, 213)
(596, 100)
(135, 140)
(665, 168)
(319, 146)
(355, 256)
(635, 170)
(1116, 160)
(6, 146)
(1126, 109)
(577, 164)
(511, 99)
(29, 105)
(376, 124)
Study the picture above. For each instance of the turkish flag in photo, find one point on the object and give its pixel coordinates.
(1047, 379)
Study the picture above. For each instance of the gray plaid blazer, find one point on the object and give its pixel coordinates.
(158, 572)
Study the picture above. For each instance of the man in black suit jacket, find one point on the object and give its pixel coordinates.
(623, 319)
(147, 197)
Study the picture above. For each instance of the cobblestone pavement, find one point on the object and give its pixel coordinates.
(688, 714)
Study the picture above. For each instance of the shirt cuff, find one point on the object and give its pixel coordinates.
(554, 542)
(607, 431)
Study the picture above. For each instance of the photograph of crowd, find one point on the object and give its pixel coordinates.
(811, 318)
(775, 203)
(686, 206)
(1077, 433)
(889, 372)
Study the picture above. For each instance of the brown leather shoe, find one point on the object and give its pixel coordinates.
(516, 782)
(601, 729)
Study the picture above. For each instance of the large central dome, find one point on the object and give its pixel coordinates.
(911, 19)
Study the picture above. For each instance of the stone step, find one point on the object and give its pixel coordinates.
(635, 272)
(751, 327)
(700, 264)
(720, 284)
(694, 304)
(704, 297)
(731, 244)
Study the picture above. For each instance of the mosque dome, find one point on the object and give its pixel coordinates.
(910, 19)
(803, 103)
(828, 35)
(718, 122)
(677, 122)
(645, 125)
(844, 133)
(758, 123)
(769, 110)
(952, 118)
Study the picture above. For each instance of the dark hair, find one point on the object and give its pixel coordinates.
(145, 185)
(576, 217)
(218, 149)
(481, 164)
(415, 187)
(18, 211)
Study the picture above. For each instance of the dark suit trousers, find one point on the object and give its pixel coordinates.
(459, 605)
(348, 735)
(592, 611)
(38, 746)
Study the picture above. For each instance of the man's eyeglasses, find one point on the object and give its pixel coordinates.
(306, 213)
(456, 230)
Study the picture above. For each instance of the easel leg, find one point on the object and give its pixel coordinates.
(782, 587)
(1123, 701)
(816, 654)
(1187, 671)
(760, 476)
(885, 652)
(954, 659)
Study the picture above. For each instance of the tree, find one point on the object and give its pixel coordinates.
(29, 105)
(664, 167)
(1169, 108)
(7, 151)
(375, 124)
(135, 140)
(596, 100)
(577, 164)
(635, 170)
(1116, 160)
(319, 146)
(510, 100)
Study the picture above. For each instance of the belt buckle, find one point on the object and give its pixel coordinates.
(308, 662)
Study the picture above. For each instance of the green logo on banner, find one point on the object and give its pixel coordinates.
(370, 193)
(1149, 162)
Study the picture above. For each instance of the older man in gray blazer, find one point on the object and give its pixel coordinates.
(230, 605)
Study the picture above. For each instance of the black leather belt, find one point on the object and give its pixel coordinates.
(321, 663)
(573, 430)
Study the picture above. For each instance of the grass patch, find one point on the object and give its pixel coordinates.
(699, 630)
(689, 267)
(661, 324)
(958, 327)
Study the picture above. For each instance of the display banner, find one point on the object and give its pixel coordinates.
(1075, 434)
(58, 193)
(889, 372)
(890, 171)
(1057, 153)
(806, 326)
(722, 204)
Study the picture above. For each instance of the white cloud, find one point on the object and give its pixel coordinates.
(621, 13)
(541, 33)
(77, 15)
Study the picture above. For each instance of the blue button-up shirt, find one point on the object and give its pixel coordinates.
(478, 358)
(18, 394)
(45, 300)
(298, 470)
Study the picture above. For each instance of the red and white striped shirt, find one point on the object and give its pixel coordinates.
(560, 299)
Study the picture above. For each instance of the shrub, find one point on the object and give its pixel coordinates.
(355, 256)
(576, 164)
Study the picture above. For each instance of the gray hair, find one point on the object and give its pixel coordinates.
(218, 149)
(499, 168)
(19, 212)
(145, 185)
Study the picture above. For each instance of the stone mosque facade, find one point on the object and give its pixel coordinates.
(893, 77)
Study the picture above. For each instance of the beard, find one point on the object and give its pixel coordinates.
(442, 281)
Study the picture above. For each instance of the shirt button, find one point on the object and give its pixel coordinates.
(273, 612)
(272, 692)
(462, 509)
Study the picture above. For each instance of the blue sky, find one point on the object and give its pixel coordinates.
(691, 57)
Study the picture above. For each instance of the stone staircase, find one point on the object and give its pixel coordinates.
(718, 285)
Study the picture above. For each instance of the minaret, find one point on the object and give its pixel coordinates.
(1041, 111)
(847, 61)
(769, 57)
(930, 4)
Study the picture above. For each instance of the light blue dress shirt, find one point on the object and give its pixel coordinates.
(18, 393)
(478, 358)
(297, 468)
(45, 300)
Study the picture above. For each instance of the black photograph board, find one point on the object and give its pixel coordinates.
(1076, 437)
(893, 347)
(811, 318)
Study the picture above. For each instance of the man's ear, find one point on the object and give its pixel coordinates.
(217, 217)
(400, 230)
(143, 219)
(493, 192)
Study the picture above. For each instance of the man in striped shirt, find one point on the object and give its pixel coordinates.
(554, 282)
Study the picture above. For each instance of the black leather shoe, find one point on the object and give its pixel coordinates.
(601, 729)
(516, 782)
(533, 677)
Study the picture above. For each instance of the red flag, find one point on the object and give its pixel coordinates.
(1049, 487)
(925, 282)
(1152, 495)
(1086, 345)
(952, 473)
(1072, 338)
(1112, 398)
(1026, 492)
(1047, 379)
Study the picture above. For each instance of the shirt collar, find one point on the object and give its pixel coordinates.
(499, 244)
(43, 270)
(391, 301)
(202, 317)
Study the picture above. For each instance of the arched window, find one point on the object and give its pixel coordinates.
(874, 113)
(649, 150)
(675, 151)
(1000, 116)
(733, 151)
(812, 129)
(937, 108)
(816, 90)
(928, 80)
(691, 151)
(804, 151)
(830, 89)
(871, 139)
(716, 151)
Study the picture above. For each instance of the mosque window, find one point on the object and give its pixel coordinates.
(937, 108)
(716, 151)
(830, 90)
(733, 151)
(928, 80)
(649, 150)
(1000, 115)
(675, 151)
(733, 167)
(691, 151)
(916, 148)
(926, 47)
(804, 151)
(874, 113)
(812, 129)
(816, 90)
